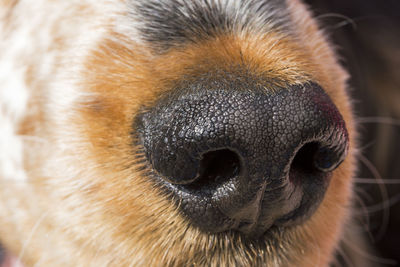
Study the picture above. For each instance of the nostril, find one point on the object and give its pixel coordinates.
(218, 166)
(304, 159)
(314, 158)
(303, 162)
(326, 159)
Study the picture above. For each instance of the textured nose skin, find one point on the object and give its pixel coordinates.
(237, 156)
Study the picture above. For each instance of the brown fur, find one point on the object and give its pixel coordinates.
(105, 211)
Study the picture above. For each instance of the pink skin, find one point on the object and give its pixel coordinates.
(11, 261)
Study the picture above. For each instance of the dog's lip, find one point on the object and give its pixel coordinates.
(255, 229)
(9, 260)
(258, 228)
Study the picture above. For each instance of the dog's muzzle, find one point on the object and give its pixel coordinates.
(238, 155)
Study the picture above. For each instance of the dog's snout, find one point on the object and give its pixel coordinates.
(237, 155)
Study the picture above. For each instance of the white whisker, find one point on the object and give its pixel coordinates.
(34, 229)
(379, 120)
(384, 193)
(346, 20)
(375, 181)
(368, 255)
(387, 203)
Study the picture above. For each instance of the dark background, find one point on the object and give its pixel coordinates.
(367, 36)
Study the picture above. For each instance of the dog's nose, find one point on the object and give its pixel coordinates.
(238, 156)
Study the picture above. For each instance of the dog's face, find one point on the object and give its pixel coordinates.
(154, 133)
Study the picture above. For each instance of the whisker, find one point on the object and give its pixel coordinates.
(346, 20)
(364, 194)
(345, 258)
(364, 219)
(388, 203)
(381, 120)
(34, 228)
(367, 145)
(384, 193)
(375, 181)
(367, 255)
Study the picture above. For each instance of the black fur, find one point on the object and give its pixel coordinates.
(167, 23)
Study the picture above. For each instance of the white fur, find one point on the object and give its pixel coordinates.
(13, 102)
(29, 41)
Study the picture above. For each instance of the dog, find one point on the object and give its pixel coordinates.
(172, 133)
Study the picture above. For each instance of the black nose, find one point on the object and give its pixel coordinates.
(236, 155)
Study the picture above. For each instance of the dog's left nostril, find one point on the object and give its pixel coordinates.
(304, 161)
(313, 157)
(326, 159)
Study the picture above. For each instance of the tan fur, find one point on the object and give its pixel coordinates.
(86, 201)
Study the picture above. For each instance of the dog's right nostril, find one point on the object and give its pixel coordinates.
(218, 167)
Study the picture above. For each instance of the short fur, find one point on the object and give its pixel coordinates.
(75, 74)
